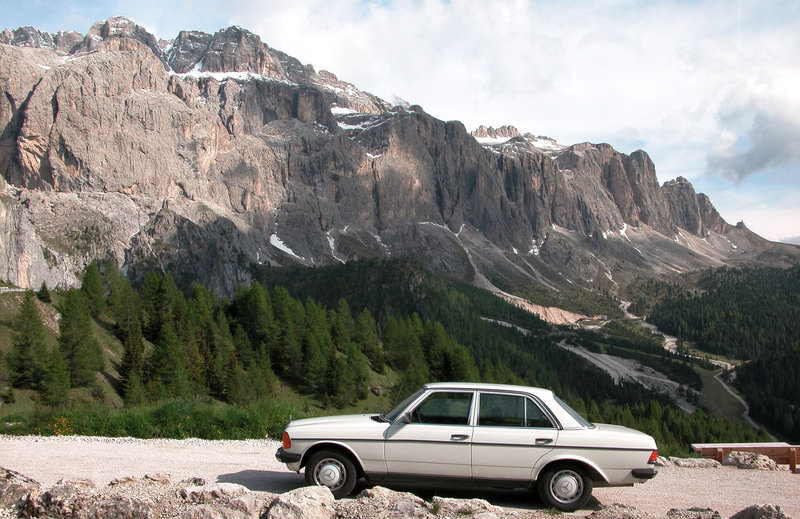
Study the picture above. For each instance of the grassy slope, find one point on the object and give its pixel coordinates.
(104, 398)
(717, 399)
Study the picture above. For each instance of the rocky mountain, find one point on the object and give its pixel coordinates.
(212, 156)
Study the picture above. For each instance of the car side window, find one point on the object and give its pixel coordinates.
(511, 411)
(502, 410)
(444, 408)
(535, 417)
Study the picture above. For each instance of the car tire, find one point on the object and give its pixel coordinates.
(333, 470)
(564, 487)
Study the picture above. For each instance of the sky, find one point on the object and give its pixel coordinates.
(710, 89)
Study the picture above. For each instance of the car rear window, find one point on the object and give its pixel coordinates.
(581, 420)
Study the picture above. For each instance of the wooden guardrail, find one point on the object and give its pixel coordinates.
(782, 453)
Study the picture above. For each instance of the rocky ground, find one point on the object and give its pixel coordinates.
(112, 477)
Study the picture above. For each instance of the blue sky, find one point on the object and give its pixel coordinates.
(709, 88)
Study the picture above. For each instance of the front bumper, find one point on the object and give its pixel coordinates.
(644, 473)
(287, 457)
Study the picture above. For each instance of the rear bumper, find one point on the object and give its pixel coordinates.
(287, 457)
(644, 473)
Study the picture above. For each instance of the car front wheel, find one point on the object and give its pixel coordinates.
(333, 470)
(565, 488)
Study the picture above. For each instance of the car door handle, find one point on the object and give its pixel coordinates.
(459, 437)
(544, 441)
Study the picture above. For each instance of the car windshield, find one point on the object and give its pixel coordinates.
(581, 420)
(395, 412)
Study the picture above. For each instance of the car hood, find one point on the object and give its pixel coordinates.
(347, 419)
(354, 426)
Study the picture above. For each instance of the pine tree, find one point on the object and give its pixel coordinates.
(339, 381)
(286, 353)
(312, 378)
(167, 365)
(28, 356)
(133, 389)
(460, 365)
(56, 383)
(366, 337)
(81, 350)
(151, 313)
(132, 368)
(123, 303)
(44, 294)
(436, 344)
(346, 325)
(253, 309)
(92, 287)
(404, 353)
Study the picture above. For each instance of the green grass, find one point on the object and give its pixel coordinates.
(692, 350)
(167, 419)
(715, 398)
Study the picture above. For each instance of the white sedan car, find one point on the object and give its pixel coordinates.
(472, 434)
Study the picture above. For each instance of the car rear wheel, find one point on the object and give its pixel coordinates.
(566, 488)
(333, 470)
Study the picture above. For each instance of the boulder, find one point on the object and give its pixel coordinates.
(303, 503)
(663, 461)
(125, 480)
(159, 477)
(210, 493)
(209, 512)
(193, 482)
(65, 499)
(618, 511)
(696, 463)
(466, 507)
(750, 460)
(761, 512)
(251, 504)
(14, 486)
(693, 513)
(119, 507)
(382, 503)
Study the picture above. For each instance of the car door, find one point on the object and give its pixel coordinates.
(435, 437)
(511, 435)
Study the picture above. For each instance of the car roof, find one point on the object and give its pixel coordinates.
(480, 386)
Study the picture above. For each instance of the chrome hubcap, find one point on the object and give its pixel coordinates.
(566, 487)
(330, 473)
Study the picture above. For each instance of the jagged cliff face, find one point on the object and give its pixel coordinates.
(210, 155)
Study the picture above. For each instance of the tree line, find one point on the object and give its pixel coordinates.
(231, 350)
(328, 333)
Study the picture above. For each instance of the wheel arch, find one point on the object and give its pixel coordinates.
(333, 446)
(593, 472)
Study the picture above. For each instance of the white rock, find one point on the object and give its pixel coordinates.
(303, 503)
(750, 460)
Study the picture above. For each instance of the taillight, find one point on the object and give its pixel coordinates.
(651, 461)
(287, 442)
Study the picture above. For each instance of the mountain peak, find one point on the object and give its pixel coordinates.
(489, 134)
(234, 155)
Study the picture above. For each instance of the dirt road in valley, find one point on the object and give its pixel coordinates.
(252, 463)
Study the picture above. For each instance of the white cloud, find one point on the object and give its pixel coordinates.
(772, 212)
(759, 127)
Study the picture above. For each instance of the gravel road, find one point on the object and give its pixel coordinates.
(252, 463)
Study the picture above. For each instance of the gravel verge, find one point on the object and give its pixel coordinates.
(252, 463)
